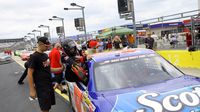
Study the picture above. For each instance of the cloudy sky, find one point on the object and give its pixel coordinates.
(19, 17)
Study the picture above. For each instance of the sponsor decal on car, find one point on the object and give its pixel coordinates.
(184, 100)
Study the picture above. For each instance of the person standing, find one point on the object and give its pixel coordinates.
(149, 41)
(116, 42)
(109, 44)
(173, 41)
(75, 62)
(124, 41)
(39, 76)
(131, 40)
(26, 65)
(20, 81)
(57, 66)
(188, 39)
(155, 37)
(100, 45)
(93, 46)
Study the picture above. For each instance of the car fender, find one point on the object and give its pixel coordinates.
(79, 99)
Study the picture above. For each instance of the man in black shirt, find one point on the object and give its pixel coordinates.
(149, 41)
(39, 76)
(20, 82)
(26, 65)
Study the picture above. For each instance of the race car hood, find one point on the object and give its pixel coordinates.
(181, 94)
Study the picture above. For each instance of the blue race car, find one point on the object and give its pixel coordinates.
(135, 80)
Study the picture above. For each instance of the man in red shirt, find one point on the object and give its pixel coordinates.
(57, 66)
(93, 43)
(188, 39)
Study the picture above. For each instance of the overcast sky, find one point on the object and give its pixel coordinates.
(19, 17)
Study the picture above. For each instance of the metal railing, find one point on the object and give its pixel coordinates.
(170, 17)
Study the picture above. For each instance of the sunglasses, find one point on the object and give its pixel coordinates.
(47, 45)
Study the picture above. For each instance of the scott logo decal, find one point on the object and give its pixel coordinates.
(174, 103)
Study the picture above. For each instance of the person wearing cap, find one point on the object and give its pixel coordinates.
(39, 76)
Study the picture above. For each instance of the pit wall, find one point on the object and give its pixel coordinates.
(182, 58)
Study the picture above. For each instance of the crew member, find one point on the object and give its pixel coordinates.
(75, 62)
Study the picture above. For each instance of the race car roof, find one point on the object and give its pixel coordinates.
(99, 57)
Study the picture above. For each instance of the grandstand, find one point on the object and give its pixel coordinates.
(11, 40)
(14, 44)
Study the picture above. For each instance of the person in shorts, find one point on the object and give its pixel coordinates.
(57, 67)
(39, 76)
(20, 82)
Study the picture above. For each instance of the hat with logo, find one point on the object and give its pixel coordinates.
(44, 40)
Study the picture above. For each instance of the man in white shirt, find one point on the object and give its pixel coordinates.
(155, 37)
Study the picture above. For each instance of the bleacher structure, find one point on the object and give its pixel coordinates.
(15, 44)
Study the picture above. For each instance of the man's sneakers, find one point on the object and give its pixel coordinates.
(20, 83)
(64, 91)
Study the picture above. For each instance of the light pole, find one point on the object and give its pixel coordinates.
(80, 8)
(27, 36)
(31, 34)
(34, 37)
(28, 42)
(38, 31)
(59, 18)
(45, 26)
(25, 39)
(134, 25)
(198, 4)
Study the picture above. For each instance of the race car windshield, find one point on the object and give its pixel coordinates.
(135, 71)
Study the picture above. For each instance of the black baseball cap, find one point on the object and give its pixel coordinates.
(44, 40)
